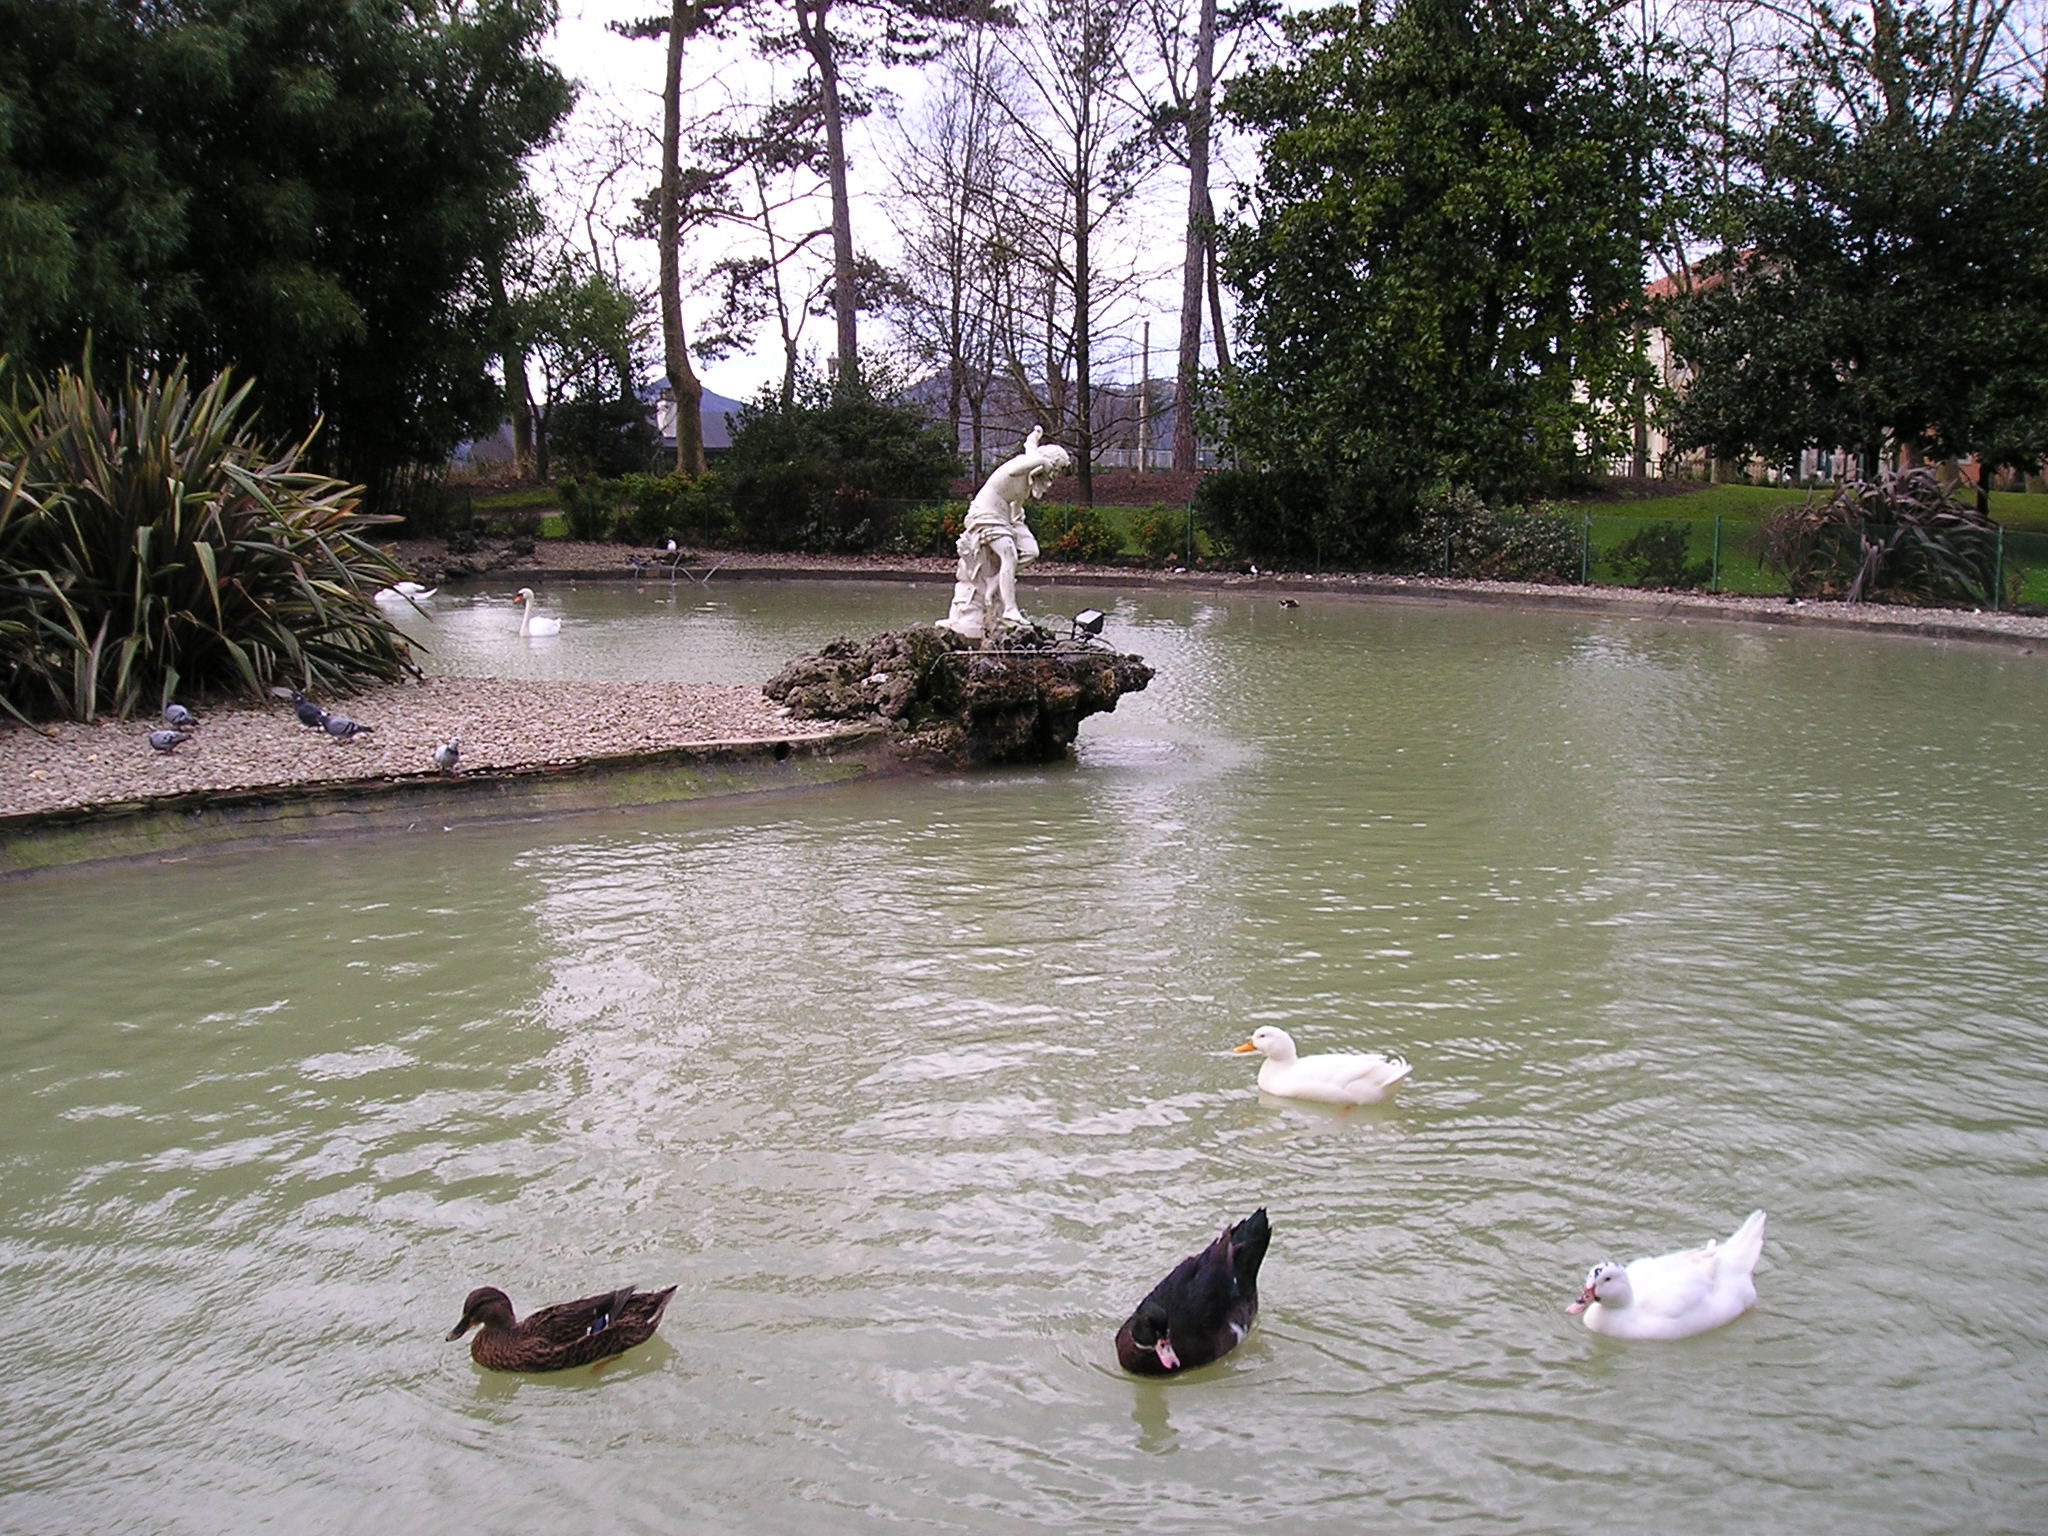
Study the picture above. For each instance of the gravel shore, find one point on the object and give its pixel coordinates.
(507, 725)
(502, 725)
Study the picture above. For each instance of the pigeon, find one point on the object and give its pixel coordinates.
(342, 728)
(178, 717)
(309, 713)
(449, 752)
(167, 741)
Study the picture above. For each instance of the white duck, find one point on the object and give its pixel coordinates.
(405, 592)
(531, 623)
(1678, 1294)
(1330, 1079)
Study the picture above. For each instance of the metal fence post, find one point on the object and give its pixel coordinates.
(1714, 581)
(1998, 573)
(1586, 549)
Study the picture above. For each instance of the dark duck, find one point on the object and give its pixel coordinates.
(555, 1338)
(1202, 1311)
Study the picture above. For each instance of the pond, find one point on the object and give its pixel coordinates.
(914, 1088)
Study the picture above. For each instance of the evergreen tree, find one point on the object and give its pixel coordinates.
(1882, 284)
(1444, 248)
(316, 194)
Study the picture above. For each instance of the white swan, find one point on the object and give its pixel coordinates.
(405, 592)
(1330, 1079)
(531, 623)
(1678, 1294)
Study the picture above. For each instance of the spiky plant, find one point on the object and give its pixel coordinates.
(150, 542)
(1903, 538)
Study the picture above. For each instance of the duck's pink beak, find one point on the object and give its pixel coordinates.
(1586, 1299)
(1167, 1357)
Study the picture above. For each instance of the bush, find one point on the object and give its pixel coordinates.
(590, 508)
(836, 469)
(673, 506)
(1080, 534)
(151, 544)
(1457, 534)
(601, 438)
(1297, 519)
(1659, 556)
(1161, 534)
(933, 529)
(1899, 539)
(646, 509)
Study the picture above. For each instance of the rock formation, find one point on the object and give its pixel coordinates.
(948, 700)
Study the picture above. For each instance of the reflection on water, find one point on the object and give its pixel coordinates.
(915, 1088)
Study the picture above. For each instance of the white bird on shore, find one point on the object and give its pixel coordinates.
(531, 623)
(449, 753)
(1336, 1078)
(1675, 1295)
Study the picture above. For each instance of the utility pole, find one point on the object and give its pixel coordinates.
(1145, 399)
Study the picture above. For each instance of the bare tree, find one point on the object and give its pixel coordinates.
(948, 157)
(833, 34)
(771, 163)
(1086, 146)
(1186, 35)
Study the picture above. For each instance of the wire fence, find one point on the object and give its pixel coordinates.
(1726, 554)
(1612, 549)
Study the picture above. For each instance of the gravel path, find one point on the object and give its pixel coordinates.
(523, 724)
(503, 725)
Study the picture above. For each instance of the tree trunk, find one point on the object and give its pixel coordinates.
(1216, 331)
(818, 42)
(518, 393)
(1195, 262)
(1084, 406)
(682, 379)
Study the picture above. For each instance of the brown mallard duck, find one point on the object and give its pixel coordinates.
(555, 1338)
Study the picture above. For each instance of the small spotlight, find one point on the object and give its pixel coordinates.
(1088, 621)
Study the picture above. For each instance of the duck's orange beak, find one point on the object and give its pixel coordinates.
(1240, 1050)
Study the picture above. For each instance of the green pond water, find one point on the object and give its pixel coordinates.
(914, 1088)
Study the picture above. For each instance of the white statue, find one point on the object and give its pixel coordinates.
(997, 540)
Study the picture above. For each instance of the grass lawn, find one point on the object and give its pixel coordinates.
(2019, 511)
(527, 498)
(1726, 556)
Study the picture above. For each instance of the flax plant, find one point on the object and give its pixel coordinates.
(151, 543)
(1903, 538)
